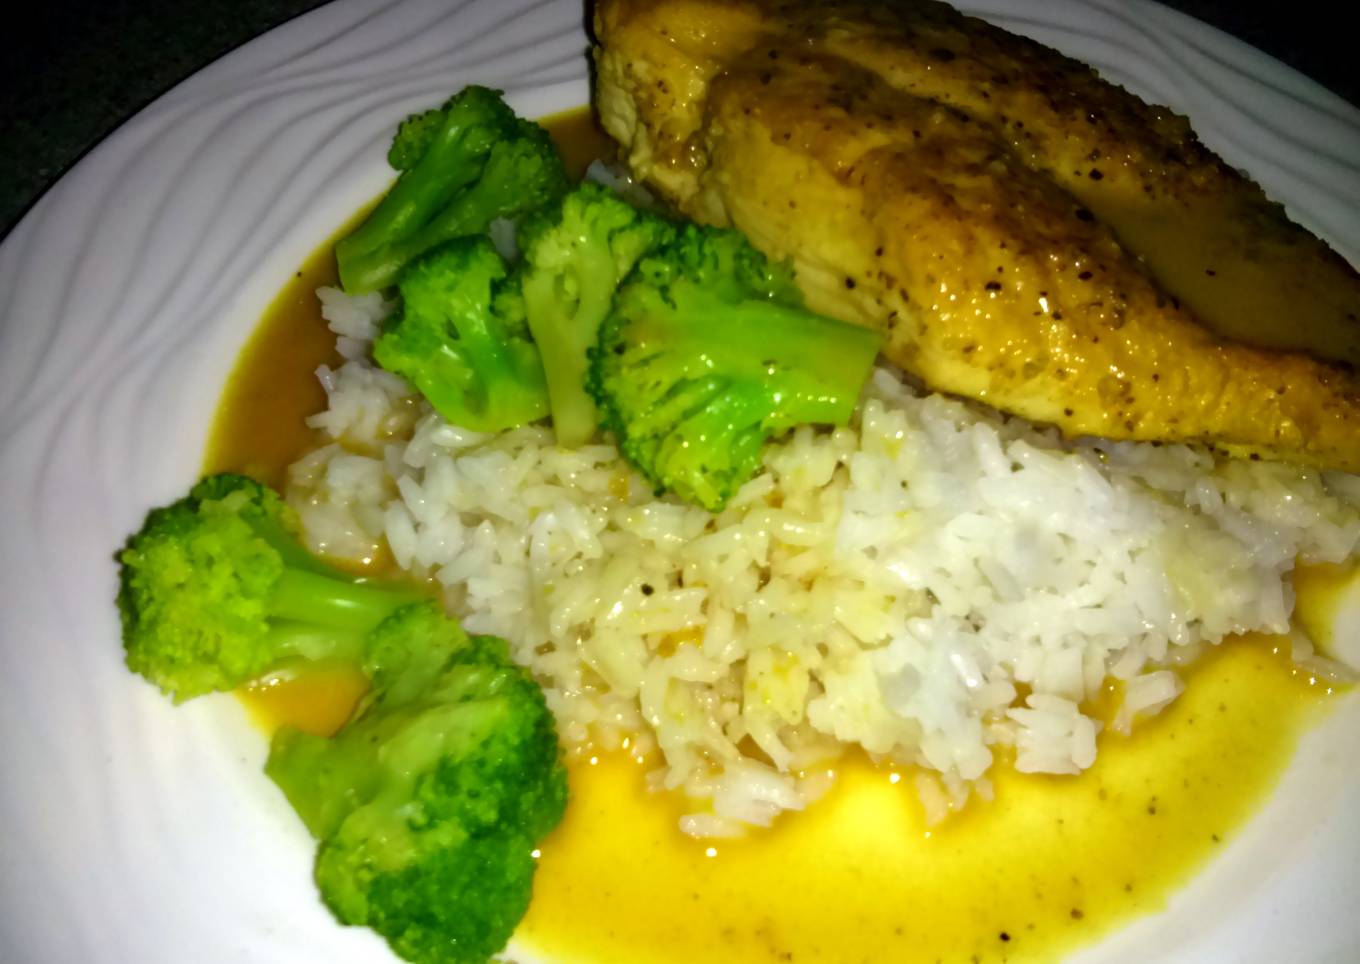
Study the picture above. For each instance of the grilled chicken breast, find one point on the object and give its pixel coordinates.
(1027, 234)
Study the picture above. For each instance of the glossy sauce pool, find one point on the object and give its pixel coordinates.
(1051, 863)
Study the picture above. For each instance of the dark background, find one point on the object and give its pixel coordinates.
(73, 70)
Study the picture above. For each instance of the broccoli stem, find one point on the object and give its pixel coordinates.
(380, 267)
(568, 342)
(444, 169)
(317, 599)
(315, 602)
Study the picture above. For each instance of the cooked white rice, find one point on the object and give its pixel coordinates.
(893, 585)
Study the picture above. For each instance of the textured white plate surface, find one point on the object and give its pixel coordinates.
(132, 831)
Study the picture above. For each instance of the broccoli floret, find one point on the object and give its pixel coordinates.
(215, 591)
(415, 133)
(707, 353)
(575, 255)
(462, 166)
(450, 339)
(428, 805)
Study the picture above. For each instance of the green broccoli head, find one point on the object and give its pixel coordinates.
(462, 166)
(215, 591)
(476, 366)
(707, 353)
(428, 805)
(575, 255)
(416, 133)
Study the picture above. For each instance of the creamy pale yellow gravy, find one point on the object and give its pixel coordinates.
(1050, 864)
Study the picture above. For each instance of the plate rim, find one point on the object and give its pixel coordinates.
(151, 468)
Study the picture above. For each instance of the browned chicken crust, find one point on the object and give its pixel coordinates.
(979, 196)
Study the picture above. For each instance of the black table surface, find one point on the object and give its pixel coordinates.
(76, 69)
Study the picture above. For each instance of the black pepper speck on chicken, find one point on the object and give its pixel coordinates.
(1026, 233)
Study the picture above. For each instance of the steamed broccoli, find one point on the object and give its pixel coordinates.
(215, 591)
(462, 344)
(707, 353)
(428, 805)
(462, 166)
(575, 255)
(429, 802)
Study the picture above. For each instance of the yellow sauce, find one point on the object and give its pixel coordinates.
(261, 425)
(1323, 592)
(1049, 864)
(320, 700)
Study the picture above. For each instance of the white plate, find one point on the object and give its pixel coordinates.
(134, 831)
